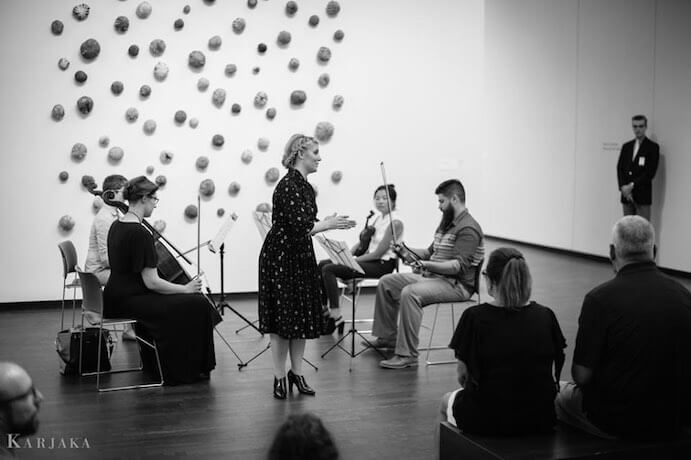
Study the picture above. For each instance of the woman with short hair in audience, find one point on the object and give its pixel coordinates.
(510, 354)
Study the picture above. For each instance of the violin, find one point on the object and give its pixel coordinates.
(365, 237)
(168, 266)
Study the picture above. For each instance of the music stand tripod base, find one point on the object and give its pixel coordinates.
(352, 333)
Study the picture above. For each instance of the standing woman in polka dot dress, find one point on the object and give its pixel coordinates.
(289, 280)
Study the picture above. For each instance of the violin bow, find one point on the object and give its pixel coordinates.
(199, 232)
(388, 202)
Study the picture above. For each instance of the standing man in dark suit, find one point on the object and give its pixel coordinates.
(636, 168)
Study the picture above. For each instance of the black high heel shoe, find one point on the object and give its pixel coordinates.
(280, 386)
(331, 324)
(299, 381)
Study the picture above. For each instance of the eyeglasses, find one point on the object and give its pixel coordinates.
(639, 126)
(30, 391)
(155, 198)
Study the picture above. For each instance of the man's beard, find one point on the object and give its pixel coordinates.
(447, 217)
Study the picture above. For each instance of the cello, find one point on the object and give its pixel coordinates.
(168, 266)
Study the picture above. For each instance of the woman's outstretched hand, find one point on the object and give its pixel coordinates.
(336, 222)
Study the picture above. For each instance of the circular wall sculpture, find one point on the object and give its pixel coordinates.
(149, 127)
(233, 188)
(78, 152)
(81, 11)
(263, 207)
(246, 156)
(202, 163)
(160, 225)
(66, 223)
(157, 47)
(58, 112)
(85, 105)
(324, 131)
(191, 211)
(207, 188)
(143, 10)
(115, 155)
(90, 49)
(271, 175)
(166, 157)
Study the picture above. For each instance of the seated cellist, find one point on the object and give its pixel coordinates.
(176, 316)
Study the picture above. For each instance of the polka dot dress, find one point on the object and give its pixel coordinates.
(289, 280)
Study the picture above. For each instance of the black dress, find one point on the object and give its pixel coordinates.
(510, 354)
(289, 280)
(181, 324)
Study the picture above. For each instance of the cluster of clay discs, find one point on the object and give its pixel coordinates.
(90, 50)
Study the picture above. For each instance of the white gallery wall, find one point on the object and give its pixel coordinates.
(410, 74)
(562, 80)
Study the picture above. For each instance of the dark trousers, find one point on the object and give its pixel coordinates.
(331, 272)
(633, 209)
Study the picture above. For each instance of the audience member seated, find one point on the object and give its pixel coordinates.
(19, 405)
(510, 354)
(444, 272)
(631, 365)
(376, 259)
(303, 437)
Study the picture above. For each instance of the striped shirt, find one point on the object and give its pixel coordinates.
(462, 242)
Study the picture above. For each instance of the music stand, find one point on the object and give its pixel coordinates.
(217, 245)
(339, 253)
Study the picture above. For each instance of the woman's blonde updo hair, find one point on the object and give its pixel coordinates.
(296, 144)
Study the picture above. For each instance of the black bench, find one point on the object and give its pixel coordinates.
(564, 443)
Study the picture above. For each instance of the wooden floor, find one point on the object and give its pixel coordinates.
(372, 412)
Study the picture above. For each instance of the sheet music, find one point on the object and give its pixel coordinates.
(339, 253)
(263, 222)
(220, 237)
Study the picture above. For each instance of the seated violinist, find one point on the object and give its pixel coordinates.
(176, 316)
(373, 253)
(97, 255)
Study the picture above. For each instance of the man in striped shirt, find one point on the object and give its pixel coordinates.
(445, 272)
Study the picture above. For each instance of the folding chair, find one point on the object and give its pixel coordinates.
(93, 301)
(69, 266)
(429, 348)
